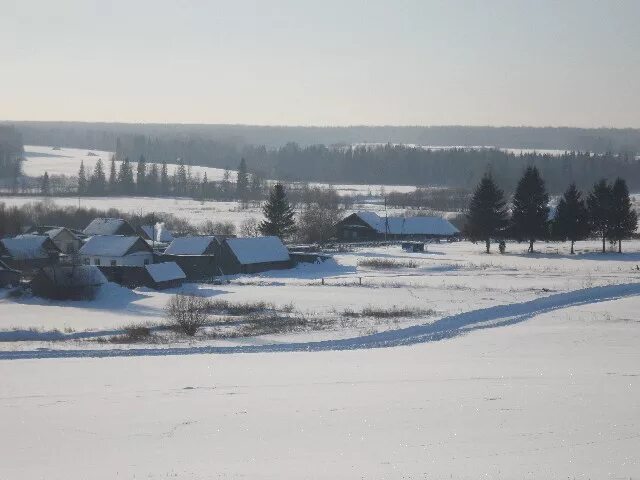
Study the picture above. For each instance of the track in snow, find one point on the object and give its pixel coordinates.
(446, 327)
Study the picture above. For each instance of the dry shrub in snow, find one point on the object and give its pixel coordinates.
(386, 263)
(186, 313)
(218, 228)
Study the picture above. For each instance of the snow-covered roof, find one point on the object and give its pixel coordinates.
(110, 245)
(258, 249)
(162, 234)
(162, 272)
(104, 226)
(23, 247)
(196, 245)
(408, 225)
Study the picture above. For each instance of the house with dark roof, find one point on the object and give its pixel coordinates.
(110, 226)
(29, 252)
(9, 277)
(64, 238)
(369, 226)
(253, 255)
(116, 250)
(197, 256)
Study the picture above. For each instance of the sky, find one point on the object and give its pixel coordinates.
(347, 62)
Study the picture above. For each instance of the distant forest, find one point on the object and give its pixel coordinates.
(327, 155)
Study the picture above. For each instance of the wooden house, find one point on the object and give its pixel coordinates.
(116, 250)
(197, 256)
(29, 252)
(369, 226)
(64, 238)
(66, 282)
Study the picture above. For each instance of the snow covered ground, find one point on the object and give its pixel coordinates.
(66, 161)
(527, 366)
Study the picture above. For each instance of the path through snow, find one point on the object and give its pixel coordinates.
(446, 327)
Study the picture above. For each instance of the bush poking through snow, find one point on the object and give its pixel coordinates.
(218, 307)
(386, 263)
(132, 334)
(187, 313)
(392, 312)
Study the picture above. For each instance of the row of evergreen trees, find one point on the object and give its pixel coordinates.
(606, 213)
(151, 179)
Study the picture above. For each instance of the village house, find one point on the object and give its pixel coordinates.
(64, 238)
(253, 255)
(29, 252)
(109, 226)
(369, 226)
(9, 277)
(197, 256)
(116, 250)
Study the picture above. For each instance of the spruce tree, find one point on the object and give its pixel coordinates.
(98, 181)
(242, 183)
(278, 214)
(45, 187)
(113, 176)
(152, 180)
(204, 187)
(164, 179)
(487, 216)
(125, 177)
(180, 178)
(82, 180)
(141, 175)
(599, 205)
(571, 219)
(530, 214)
(624, 219)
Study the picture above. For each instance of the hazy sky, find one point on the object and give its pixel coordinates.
(322, 62)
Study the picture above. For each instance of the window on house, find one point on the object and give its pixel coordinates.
(114, 263)
(86, 261)
(96, 261)
(146, 261)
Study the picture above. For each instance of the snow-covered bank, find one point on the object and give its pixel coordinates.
(553, 397)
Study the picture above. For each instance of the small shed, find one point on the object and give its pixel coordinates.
(110, 226)
(253, 255)
(164, 275)
(8, 276)
(66, 282)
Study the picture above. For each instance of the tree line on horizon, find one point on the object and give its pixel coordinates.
(605, 213)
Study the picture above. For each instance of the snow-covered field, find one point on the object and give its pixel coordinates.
(528, 367)
(66, 161)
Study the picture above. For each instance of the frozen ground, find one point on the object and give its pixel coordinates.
(528, 369)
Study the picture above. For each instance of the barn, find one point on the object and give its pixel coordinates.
(8, 276)
(253, 255)
(110, 226)
(116, 250)
(369, 226)
(197, 256)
